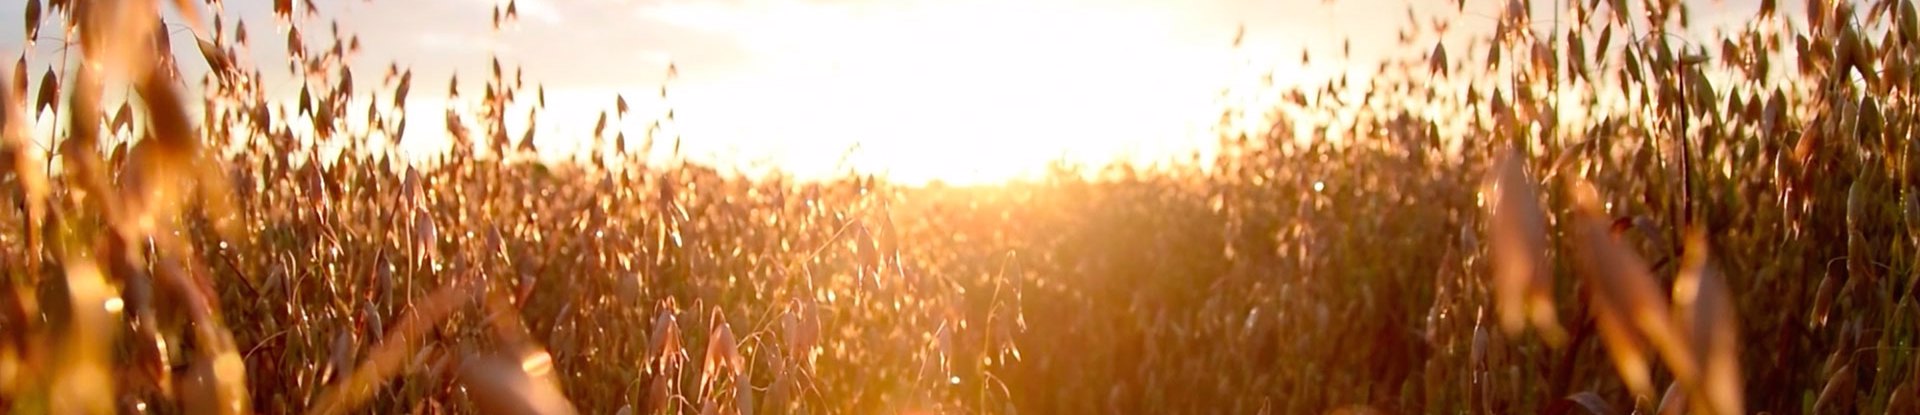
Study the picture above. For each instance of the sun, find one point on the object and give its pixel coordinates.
(960, 92)
(975, 92)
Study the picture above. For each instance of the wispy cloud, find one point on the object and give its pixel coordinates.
(460, 42)
(542, 11)
(710, 17)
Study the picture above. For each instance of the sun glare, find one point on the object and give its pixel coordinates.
(957, 92)
(871, 206)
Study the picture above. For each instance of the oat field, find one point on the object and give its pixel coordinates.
(1590, 212)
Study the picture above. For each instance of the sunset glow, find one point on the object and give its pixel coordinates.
(968, 93)
(958, 206)
(952, 91)
(918, 91)
(960, 92)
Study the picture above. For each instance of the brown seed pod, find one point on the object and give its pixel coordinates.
(1633, 312)
(1838, 393)
(49, 92)
(19, 91)
(1817, 14)
(33, 16)
(1518, 231)
(1823, 301)
(1910, 211)
(400, 92)
(1909, 32)
(1871, 123)
(1901, 400)
(503, 385)
(1674, 401)
(1704, 305)
(1773, 119)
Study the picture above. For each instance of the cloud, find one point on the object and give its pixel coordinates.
(542, 11)
(707, 17)
(466, 43)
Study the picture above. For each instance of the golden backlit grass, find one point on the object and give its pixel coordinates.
(1519, 223)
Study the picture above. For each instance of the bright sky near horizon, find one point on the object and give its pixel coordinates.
(963, 91)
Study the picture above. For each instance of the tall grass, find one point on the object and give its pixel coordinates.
(1602, 216)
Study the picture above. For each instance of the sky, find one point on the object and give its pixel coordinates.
(962, 91)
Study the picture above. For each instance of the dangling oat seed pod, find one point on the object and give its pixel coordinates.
(19, 91)
(1859, 261)
(1631, 313)
(600, 127)
(1823, 300)
(1704, 306)
(32, 14)
(1838, 393)
(1673, 401)
(400, 92)
(1910, 209)
(49, 92)
(504, 385)
(723, 358)
(1522, 285)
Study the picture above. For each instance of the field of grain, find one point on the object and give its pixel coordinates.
(1588, 215)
